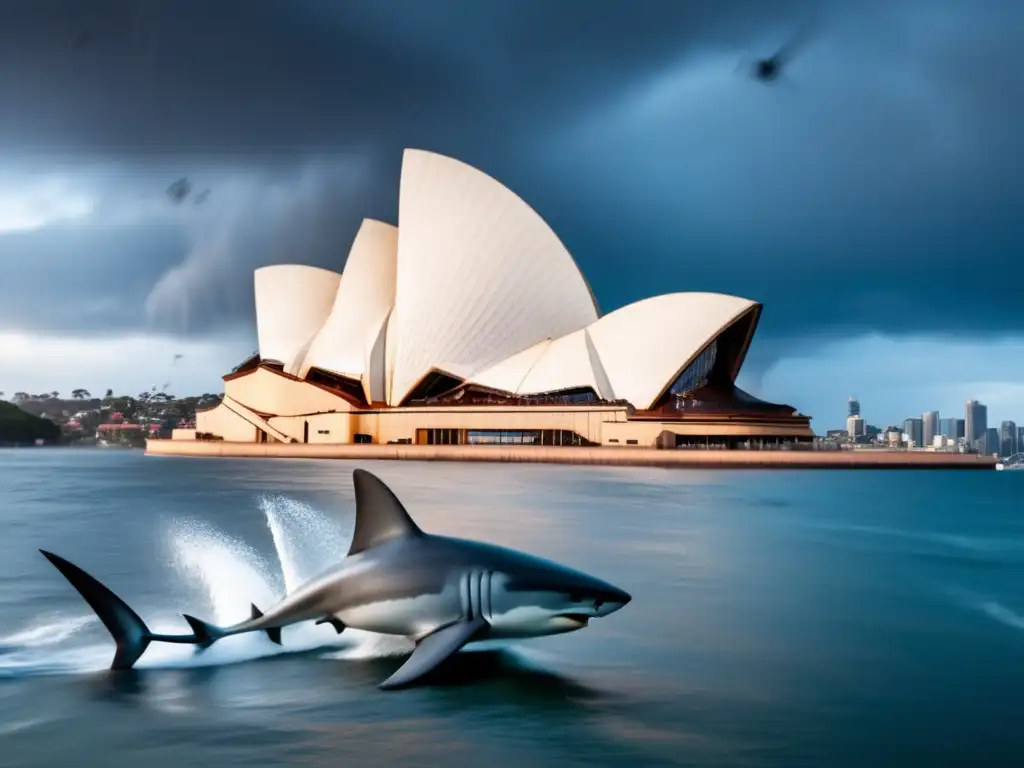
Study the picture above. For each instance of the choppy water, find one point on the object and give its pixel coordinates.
(779, 618)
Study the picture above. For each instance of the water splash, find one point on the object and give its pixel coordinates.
(228, 574)
(307, 542)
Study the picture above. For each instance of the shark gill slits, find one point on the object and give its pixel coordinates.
(488, 611)
(476, 595)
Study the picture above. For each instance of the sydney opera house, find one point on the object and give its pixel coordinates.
(471, 323)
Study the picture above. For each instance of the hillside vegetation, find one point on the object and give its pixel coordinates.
(20, 428)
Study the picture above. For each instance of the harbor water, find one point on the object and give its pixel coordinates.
(779, 617)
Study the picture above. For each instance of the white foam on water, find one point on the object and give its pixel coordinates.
(989, 607)
(1002, 614)
(230, 575)
(47, 632)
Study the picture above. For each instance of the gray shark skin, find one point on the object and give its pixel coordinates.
(438, 591)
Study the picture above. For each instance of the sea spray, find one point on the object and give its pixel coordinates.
(228, 572)
(307, 541)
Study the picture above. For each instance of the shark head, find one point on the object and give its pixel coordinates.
(539, 597)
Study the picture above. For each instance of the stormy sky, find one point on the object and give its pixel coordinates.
(870, 198)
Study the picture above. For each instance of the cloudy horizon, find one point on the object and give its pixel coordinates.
(868, 199)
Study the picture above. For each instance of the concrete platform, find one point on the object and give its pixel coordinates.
(637, 457)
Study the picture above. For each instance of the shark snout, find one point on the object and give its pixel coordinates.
(612, 600)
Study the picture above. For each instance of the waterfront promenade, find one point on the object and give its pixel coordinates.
(610, 456)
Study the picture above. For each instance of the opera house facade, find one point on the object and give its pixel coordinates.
(469, 323)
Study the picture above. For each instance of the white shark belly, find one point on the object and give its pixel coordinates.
(409, 616)
(529, 621)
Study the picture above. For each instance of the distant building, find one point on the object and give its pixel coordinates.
(853, 407)
(1008, 438)
(914, 431)
(855, 426)
(990, 441)
(975, 422)
(930, 421)
(948, 428)
(959, 429)
(1020, 439)
(475, 326)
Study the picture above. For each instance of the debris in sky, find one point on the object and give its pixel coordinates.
(768, 69)
(179, 190)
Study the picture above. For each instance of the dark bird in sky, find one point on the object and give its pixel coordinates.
(768, 69)
(179, 190)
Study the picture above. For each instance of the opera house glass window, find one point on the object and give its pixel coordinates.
(696, 373)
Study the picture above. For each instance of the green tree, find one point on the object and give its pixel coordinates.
(110, 393)
(80, 394)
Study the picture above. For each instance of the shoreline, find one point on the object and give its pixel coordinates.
(606, 456)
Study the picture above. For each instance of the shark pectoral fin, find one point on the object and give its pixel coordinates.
(274, 633)
(433, 650)
(334, 621)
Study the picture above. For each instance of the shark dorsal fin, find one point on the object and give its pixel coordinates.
(380, 516)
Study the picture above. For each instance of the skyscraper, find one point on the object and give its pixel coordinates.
(1020, 439)
(1007, 439)
(959, 428)
(914, 430)
(947, 427)
(853, 407)
(975, 422)
(930, 421)
(990, 441)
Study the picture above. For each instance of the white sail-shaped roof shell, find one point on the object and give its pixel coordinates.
(292, 303)
(361, 304)
(481, 276)
(565, 364)
(644, 346)
(508, 374)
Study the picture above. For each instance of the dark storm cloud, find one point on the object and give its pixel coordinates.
(231, 77)
(75, 278)
(877, 188)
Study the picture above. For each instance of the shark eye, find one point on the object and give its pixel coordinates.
(598, 604)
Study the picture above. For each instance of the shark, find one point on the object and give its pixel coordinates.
(440, 592)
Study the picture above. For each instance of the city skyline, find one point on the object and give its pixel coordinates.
(973, 427)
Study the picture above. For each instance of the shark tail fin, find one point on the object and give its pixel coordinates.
(274, 633)
(128, 630)
(205, 634)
